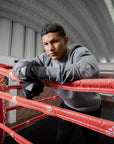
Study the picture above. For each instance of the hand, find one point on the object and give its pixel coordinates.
(26, 70)
(31, 89)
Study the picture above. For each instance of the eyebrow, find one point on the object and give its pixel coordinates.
(54, 39)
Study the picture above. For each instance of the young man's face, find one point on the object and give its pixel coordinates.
(55, 45)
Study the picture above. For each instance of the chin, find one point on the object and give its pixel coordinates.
(54, 58)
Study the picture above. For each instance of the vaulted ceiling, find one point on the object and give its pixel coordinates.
(89, 22)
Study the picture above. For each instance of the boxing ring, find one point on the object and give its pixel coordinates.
(103, 126)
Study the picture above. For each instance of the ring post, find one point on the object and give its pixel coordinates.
(2, 109)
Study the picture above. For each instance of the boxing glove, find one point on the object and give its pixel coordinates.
(31, 89)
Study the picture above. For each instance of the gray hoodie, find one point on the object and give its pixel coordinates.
(77, 64)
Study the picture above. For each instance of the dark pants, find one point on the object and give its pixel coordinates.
(66, 129)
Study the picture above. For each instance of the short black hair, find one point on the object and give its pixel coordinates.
(53, 27)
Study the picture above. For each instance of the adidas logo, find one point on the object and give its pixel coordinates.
(29, 87)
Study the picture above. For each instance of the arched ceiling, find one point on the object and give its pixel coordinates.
(88, 22)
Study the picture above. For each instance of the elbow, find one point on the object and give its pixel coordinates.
(89, 72)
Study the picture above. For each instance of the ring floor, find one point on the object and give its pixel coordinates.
(44, 131)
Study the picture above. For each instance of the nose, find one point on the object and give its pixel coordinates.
(51, 47)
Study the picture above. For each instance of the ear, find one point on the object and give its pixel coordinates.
(66, 40)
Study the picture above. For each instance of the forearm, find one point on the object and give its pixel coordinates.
(82, 66)
(62, 73)
(85, 68)
(72, 72)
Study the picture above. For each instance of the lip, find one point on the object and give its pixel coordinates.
(52, 54)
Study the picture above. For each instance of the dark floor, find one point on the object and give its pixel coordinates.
(44, 131)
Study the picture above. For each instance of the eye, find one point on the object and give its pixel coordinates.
(54, 41)
(45, 44)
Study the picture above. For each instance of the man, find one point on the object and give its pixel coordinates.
(64, 63)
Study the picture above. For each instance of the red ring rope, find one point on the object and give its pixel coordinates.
(103, 85)
(90, 85)
(16, 136)
(97, 124)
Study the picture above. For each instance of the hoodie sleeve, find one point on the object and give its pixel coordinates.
(83, 66)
